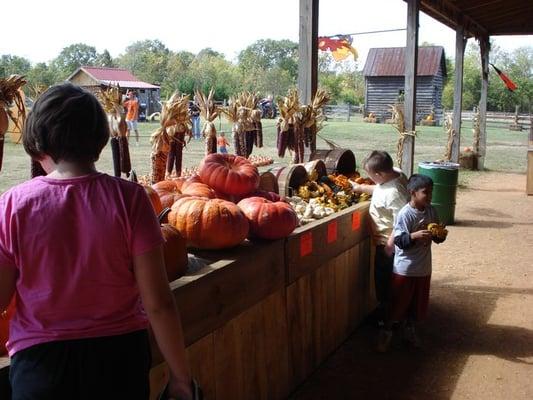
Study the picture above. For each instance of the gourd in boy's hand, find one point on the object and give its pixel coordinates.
(438, 232)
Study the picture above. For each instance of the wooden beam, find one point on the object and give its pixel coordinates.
(411, 61)
(460, 42)
(308, 50)
(484, 46)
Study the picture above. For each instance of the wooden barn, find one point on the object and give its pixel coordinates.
(92, 78)
(385, 83)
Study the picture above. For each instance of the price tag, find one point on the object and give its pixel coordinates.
(356, 221)
(332, 231)
(306, 244)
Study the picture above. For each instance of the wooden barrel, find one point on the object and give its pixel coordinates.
(289, 178)
(341, 161)
(317, 166)
(269, 182)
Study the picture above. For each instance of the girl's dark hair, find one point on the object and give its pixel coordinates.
(378, 161)
(418, 181)
(67, 123)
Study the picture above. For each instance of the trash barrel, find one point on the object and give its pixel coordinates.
(444, 175)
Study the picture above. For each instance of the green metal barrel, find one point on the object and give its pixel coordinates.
(445, 176)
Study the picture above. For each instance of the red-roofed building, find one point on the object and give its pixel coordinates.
(93, 78)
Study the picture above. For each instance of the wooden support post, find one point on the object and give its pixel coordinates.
(484, 46)
(460, 43)
(411, 61)
(308, 54)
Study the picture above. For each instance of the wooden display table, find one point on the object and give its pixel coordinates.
(259, 318)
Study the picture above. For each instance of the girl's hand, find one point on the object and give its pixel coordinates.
(423, 236)
(179, 390)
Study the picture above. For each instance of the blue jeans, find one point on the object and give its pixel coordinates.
(196, 127)
(222, 149)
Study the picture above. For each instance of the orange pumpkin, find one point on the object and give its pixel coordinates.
(267, 195)
(154, 199)
(269, 220)
(198, 189)
(229, 174)
(209, 223)
(175, 252)
(168, 191)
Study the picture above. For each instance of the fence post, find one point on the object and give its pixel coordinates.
(348, 116)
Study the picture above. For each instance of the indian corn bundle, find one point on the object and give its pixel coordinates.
(209, 111)
(169, 139)
(288, 129)
(111, 99)
(10, 94)
(248, 102)
(247, 129)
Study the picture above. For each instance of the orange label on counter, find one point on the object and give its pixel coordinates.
(356, 221)
(306, 244)
(332, 231)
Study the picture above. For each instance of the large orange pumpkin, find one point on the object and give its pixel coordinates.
(154, 199)
(229, 174)
(198, 189)
(169, 191)
(175, 252)
(269, 220)
(209, 223)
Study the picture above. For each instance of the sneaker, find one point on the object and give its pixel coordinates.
(384, 340)
(410, 336)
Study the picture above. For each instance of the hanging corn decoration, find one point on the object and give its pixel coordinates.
(256, 117)
(286, 126)
(11, 94)
(209, 111)
(111, 100)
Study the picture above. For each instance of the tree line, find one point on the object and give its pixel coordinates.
(270, 67)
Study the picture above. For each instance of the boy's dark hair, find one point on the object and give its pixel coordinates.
(67, 123)
(378, 161)
(418, 181)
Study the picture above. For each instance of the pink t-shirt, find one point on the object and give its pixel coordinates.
(72, 243)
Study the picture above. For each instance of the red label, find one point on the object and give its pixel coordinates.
(332, 231)
(306, 244)
(356, 220)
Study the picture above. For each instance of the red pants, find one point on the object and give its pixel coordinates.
(409, 297)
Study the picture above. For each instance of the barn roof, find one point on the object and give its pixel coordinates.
(119, 76)
(390, 61)
(482, 17)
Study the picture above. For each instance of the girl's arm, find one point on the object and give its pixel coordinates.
(162, 312)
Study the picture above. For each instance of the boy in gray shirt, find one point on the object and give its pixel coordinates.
(412, 261)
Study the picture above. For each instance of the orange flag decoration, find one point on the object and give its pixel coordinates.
(340, 48)
(509, 83)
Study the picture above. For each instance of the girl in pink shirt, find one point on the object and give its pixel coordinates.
(81, 251)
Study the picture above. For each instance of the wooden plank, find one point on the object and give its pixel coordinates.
(482, 149)
(460, 43)
(251, 353)
(411, 61)
(308, 50)
(224, 284)
(529, 183)
(202, 362)
(352, 227)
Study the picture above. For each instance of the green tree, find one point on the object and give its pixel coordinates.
(178, 74)
(265, 54)
(147, 60)
(14, 65)
(72, 57)
(214, 71)
(104, 59)
(42, 74)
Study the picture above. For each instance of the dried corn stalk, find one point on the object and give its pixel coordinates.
(288, 126)
(448, 127)
(209, 111)
(399, 124)
(170, 138)
(111, 99)
(11, 94)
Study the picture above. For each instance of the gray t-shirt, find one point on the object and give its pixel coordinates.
(415, 260)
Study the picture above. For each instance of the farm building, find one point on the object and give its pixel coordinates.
(384, 81)
(92, 78)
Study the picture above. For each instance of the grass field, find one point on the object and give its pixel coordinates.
(506, 150)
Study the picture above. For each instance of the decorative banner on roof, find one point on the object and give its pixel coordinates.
(340, 46)
(509, 83)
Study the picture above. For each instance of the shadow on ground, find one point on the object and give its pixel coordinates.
(456, 329)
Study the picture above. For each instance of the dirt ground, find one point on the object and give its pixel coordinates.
(478, 339)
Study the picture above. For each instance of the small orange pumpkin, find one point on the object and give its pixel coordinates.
(269, 220)
(198, 189)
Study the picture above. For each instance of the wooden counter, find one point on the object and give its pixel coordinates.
(259, 318)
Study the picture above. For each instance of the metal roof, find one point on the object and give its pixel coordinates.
(390, 61)
(120, 76)
(483, 17)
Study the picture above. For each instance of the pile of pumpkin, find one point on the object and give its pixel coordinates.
(221, 206)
